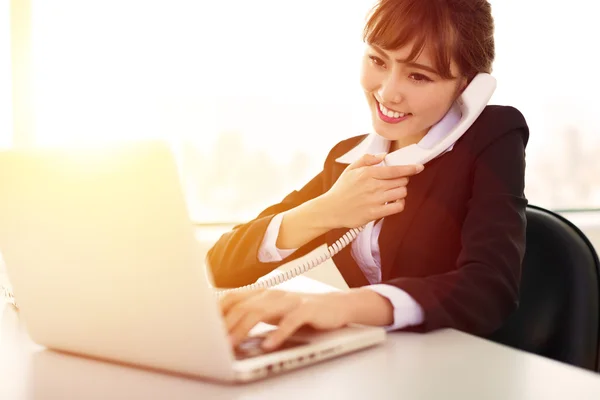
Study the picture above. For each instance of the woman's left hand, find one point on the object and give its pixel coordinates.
(289, 310)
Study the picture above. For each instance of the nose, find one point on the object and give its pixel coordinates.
(390, 91)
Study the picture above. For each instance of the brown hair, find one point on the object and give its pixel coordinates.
(459, 30)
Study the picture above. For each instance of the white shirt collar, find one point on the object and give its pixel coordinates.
(375, 144)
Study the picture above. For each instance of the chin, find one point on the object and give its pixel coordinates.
(387, 131)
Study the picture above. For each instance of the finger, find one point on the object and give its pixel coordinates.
(273, 320)
(288, 325)
(245, 305)
(243, 327)
(270, 305)
(391, 208)
(235, 315)
(367, 160)
(231, 299)
(394, 194)
(396, 171)
(387, 184)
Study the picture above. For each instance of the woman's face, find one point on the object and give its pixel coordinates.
(406, 99)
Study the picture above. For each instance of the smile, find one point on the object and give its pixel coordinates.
(390, 116)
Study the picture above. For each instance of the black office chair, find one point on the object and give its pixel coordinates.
(559, 311)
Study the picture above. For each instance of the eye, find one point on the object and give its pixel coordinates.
(420, 78)
(377, 61)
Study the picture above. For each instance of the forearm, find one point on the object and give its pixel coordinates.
(304, 223)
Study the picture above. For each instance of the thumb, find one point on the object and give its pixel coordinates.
(367, 160)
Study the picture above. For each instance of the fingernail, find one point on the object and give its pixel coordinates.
(420, 168)
(380, 155)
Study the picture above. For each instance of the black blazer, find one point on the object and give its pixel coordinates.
(456, 248)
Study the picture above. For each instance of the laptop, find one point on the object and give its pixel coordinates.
(102, 256)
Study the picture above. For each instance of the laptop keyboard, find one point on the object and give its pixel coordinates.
(251, 347)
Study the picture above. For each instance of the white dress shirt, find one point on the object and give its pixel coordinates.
(365, 248)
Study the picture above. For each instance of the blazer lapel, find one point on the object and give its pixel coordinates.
(395, 227)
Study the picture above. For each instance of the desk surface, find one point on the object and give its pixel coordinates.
(442, 365)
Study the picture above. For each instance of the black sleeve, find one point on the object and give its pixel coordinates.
(479, 295)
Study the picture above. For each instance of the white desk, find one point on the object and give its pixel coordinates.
(442, 365)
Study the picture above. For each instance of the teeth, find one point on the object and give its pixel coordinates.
(390, 113)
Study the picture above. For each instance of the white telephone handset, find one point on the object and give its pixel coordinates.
(471, 104)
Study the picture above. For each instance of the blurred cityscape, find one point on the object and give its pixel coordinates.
(230, 183)
(566, 175)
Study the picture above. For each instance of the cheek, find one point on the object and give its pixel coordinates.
(432, 106)
(368, 80)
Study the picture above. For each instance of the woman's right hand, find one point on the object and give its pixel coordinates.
(366, 192)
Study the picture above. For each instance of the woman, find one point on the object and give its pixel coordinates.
(447, 247)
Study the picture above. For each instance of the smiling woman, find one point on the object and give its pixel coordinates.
(467, 202)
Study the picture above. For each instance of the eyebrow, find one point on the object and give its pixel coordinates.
(409, 63)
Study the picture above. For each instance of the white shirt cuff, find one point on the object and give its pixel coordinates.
(407, 312)
(268, 251)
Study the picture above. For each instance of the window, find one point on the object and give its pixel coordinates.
(546, 68)
(5, 74)
(254, 94)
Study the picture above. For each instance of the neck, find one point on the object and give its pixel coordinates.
(406, 141)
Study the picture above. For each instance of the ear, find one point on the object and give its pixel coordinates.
(463, 82)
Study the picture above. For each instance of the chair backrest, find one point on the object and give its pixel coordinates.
(559, 312)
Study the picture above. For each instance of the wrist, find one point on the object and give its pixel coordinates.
(324, 207)
(366, 307)
(314, 214)
(304, 223)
